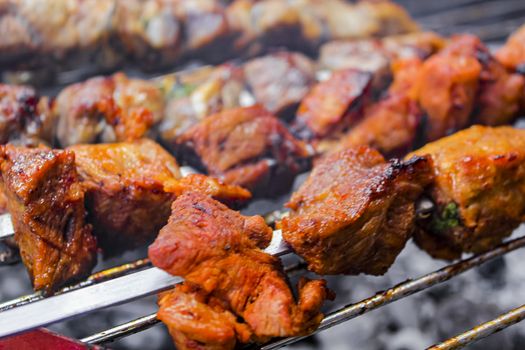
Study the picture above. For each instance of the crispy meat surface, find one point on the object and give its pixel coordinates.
(125, 195)
(478, 190)
(25, 118)
(392, 125)
(447, 86)
(512, 54)
(333, 105)
(46, 203)
(355, 212)
(280, 81)
(130, 187)
(245, 146)
(500, 92)
(107, 109)
(233, 292)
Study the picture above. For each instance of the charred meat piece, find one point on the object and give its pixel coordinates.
(245, 146)
(478, 190)
(280, 81)
(125, 195)
(25, 118)
(512, 54)
(447, 86)
(393, 124)
(130, 187)
(333, 105)
(233, 292)
(107, 109)
(193, 96)
(355, 212)
(46, 203)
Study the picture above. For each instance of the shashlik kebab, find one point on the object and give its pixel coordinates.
(260, 121)
(354, 214)
(66, 203)
(118, 108)
(157, 33)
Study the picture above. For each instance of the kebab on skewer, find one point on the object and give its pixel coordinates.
(156, 33)
(125, 189)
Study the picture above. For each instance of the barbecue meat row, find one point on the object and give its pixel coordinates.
(356, 211)
(63, 201)
(156, 33)
(233, 292)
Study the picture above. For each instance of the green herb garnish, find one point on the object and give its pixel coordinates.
(448, 219)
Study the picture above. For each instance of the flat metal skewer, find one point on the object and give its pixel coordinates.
(98, 296)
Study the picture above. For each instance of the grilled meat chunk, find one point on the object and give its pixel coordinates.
(245, 146)
(512, 54)
(193, 96)
(355, 212)
(130, 187)
(478, 190)
(233, 292)
(24, 117)
(333, 105)
(392, 125)
(46, 203)
(107, 109)
(447, 86)
(125, 195)
(280, 81)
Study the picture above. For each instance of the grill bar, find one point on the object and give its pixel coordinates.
(348, 312)
(483, 330)
(402, 290)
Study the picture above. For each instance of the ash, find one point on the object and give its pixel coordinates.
(415, 322)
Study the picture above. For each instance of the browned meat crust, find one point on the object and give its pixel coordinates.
(393, 124)
(130, 187)
(280, 81)
(333, 105)
(512, 54)
(447, 86)
(125, 195)
(24, 116)
(478, 189)
(46, 203)
(241, 292)
(245, 146)
(107, 109)
(355, 212)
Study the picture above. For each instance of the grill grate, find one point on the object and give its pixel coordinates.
(490, 20)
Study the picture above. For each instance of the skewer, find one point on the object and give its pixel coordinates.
(483, 330)
(94, 297)
(348, 312)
